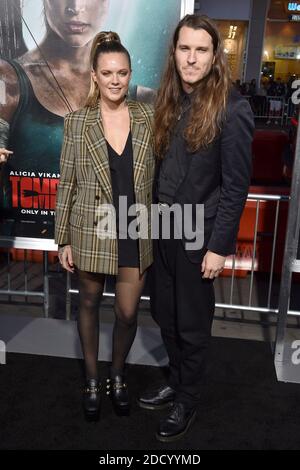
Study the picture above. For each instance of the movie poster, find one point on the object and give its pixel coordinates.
(45, 74)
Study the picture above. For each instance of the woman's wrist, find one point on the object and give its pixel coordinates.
(4, 133)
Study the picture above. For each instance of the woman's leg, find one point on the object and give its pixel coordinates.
(90, 293)
(129, 286)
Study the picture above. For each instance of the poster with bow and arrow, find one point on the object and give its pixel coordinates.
(45, 74)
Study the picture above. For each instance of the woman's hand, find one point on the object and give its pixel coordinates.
(4, 155)
(65, 258)
(212, 265)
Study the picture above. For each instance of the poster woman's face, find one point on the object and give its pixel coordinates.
(75, 21)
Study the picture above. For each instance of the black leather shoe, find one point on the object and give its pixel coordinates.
(158, 398)
(176, 424)
(92, 399)
(117, 388)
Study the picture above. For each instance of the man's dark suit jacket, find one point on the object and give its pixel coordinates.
(219, 178)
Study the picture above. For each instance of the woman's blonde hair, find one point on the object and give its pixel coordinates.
(103, 43)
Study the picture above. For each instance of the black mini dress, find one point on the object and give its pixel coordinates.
(121, 170)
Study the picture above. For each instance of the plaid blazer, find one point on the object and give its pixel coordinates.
(85, 186)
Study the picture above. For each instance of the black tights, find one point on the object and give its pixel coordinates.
(129, 286)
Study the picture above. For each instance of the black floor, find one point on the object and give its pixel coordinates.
(243, 406)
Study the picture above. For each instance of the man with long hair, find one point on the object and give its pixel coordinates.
(203, 134)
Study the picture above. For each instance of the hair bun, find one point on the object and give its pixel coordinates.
(107, 36)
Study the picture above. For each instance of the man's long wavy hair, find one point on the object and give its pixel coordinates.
(209, 96)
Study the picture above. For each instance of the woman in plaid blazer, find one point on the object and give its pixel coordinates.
(107, 152)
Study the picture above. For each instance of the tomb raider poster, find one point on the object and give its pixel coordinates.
(45, 74)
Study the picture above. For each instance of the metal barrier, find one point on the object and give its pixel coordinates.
(289, 110)
(270, 108)
(27, 244)
(234, 264)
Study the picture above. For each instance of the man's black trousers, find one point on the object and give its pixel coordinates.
(182, 303)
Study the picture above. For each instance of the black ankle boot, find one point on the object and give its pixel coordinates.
(92, 399)
(117, 388)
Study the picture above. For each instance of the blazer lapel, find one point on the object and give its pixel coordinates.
(140, 141)
(96, 143)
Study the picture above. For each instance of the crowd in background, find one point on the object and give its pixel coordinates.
(267, 87)
(270, 97)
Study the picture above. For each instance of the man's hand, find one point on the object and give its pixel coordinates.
(212, 265)
(65, 258)
(4, 155)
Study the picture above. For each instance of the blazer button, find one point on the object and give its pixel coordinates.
(95, 223)
(97, 198)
